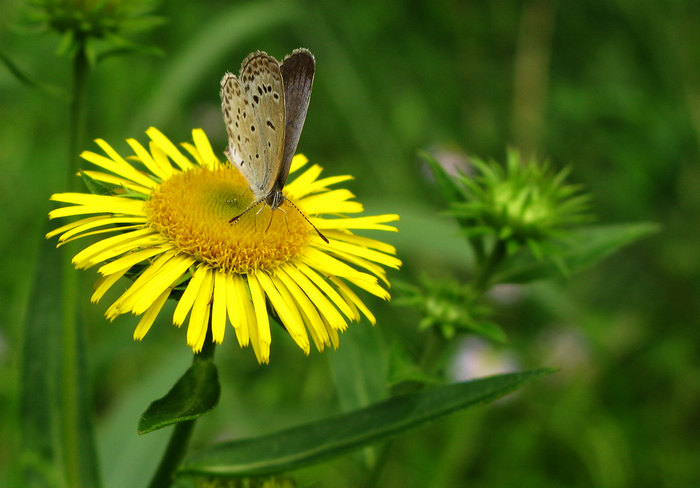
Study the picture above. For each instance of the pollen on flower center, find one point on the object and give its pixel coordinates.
(193, 209)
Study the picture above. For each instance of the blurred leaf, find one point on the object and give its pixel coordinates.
(24, 78)
(490, 330)
(447, 185)
(310, 443)
(584, 247)
(55, 394)
(359, 372)
(95, 187)
(403, 369)
(449, 306)
(39, 408)
(194, 394)
(359, 367)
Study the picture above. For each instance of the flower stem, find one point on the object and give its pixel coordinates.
(173, 455)
(77, 439)
(78, 111)
(488, 268)
(180, 438)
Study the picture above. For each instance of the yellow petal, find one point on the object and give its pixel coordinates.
(83, 225)
(150, 315)
(332, 202)
(117, 181)
(169, 148)
(72, 225)
(109, 243)
(161, 159)
(193, 152)
(202, 144)
(374, 222)
(240, 309)
(116, 164)
(260, 307)
(188, 297)
(286, 311)
(350, 296)
(126, 262)
(292, 293)
(298, 162)
(199, 318)
(147, 160)
(88, 203)
(292, 276)
(218, 314)
(330, 292)
(104, 283)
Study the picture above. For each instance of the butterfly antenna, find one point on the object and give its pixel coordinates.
(235, 219)
(306, 218)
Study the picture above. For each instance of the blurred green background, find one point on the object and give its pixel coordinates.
(611, 88)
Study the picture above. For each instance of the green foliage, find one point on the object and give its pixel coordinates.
(451, 307)
(306, 444)
(102, 24)
(193, 395)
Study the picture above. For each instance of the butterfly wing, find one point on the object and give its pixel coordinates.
(262, 81)
(298, 77)
(244, 143)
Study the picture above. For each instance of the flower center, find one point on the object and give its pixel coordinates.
(193, 209)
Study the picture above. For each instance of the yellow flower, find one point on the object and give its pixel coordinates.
(170, 215)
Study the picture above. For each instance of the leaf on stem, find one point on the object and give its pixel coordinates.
(194, 394)
(311, 443)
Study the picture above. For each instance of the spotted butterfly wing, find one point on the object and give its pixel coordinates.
(253, 108)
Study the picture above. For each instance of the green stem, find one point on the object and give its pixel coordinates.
(77, 439)
(489, 266)
(78, 111)
(432, 354)
(180, 438)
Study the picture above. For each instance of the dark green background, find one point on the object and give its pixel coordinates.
(611, 88)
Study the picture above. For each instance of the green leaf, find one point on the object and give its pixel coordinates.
(359, 368)
(403, 369)
(449, 189)
(310, 443)
(194, 394)
(490, 330)
(95, 187)
(23, 78)
(584, 248)
(39, 411)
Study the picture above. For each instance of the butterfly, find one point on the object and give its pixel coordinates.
(264, 109)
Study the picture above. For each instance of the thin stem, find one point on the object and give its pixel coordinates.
(490, 265)
(78, 111)
(77, 439)
(180, 438)
(174, 453)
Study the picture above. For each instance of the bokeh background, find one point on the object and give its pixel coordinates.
(611, 88)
